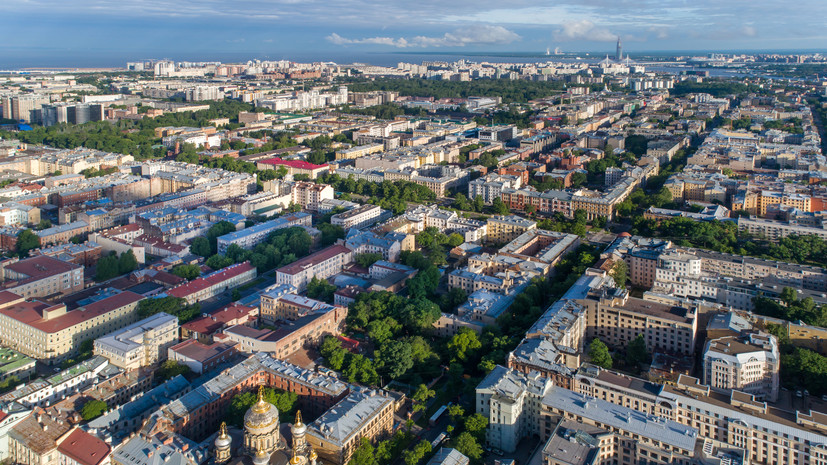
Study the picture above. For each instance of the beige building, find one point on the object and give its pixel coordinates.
(322, 264)
(41, 276)
(617, 319)
(339, 431)
(309, 194)
(141, 344)
(750, 364)
(358, 217)
(51, 333)
(34, 440)
(507, 228)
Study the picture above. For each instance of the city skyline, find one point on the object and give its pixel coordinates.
(97, 29)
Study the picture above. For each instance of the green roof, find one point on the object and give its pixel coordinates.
(11, 360)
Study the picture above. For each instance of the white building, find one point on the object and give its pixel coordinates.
(749, 364)
(140, 344)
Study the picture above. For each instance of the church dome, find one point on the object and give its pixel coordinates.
(298, 428)
(223, 440)
(262, 414)
(261, 458)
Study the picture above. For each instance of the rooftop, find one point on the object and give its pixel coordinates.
(84, 448)
(347, 417)
(314, 259)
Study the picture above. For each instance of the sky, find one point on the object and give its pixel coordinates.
(58, 30)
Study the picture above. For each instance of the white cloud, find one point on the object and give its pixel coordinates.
(583, 30)
(748, 31)
(470, 35)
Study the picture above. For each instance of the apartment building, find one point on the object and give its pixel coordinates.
(309, 195)
(41, 276)
(204, 327)
(140, 344)
(491, 187)
(294, 167)
(501, 229)
(359, 151)
(359, 217)
(322, 264)
(51, 333)
(764, 433)
(361, 414)
(749, 364)
(201, 358)
(775, 230)
(617, 319)
(304, 332)
(248, 238)
(214, 283)
(276, 306)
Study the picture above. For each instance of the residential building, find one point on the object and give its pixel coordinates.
(141, 344)
(749, 363)
(501, 229)
(51, 333)
(214, 283)
(14, 364)
(204, 327)
(201, 358)
(362, 414)
(309, 195)
(359, 217)
(248, 238)
(322, 264)
(41, 276)
(82, 448)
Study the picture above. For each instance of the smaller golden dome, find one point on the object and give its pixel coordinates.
(262, 406)
(313, 455)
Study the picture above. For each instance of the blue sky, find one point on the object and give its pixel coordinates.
(284, 28)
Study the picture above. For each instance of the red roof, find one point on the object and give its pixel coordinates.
(298, 164)
(215, 320)
(84, 448)
(40, 267)
(199, 284)
(316, 258)
(32, 312)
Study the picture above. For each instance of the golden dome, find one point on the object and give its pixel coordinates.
(313, 455)
(298, 428)
(262, 413)
(223, 440)
(262, 457)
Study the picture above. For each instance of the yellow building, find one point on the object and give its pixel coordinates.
(507, 228)
(51, 333)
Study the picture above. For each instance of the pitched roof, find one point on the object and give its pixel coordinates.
(84, 448)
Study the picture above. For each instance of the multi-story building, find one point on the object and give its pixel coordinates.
(141, 344)
(294, 167)
(617, 319)
(359, 217)
(41, 276)
(248, 238)
(749, 363)
(304, 332)
(492, 186)
(214, 283)
(775, 230)
(502, 229)
(201, 358)
(43, 392)
(322, 264)
(308, 195)
(204, 327)
(276, 306)
(337, 434)
(82, 448)
(51, 333)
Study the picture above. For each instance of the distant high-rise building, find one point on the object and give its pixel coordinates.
(619, 52)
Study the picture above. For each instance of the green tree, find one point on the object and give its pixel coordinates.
(499, 206)
(26, 241)
(636, 351)
(188, 272)
(421, 396)
(217, 262)
(217, 230)
(619, 273)
(479, 203)
(127, 262)
(365, 260)
(467, 445)
(414, 455)
(170, 369)
(107, 268)
(599, 354)
(333, 352)
(364, 454)
(395, 358)
(93, 409)
(320, 289)
(476, 425)
(201, 246)
(461, 343)
(456, 412)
